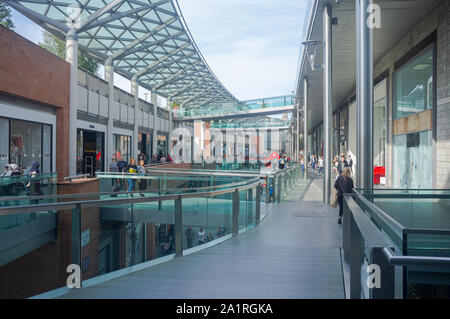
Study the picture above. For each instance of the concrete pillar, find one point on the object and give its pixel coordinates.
(305, 127)
(72, 58)
(327, 101)
(364, 89)
(109, 140)
(155, 121)
(135, 93)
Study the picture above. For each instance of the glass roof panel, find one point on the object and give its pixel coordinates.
(161, 59)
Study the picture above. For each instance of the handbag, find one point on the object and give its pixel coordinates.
(334, 198)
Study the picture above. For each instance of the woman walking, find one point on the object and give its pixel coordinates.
(343, 184)
(131, 168)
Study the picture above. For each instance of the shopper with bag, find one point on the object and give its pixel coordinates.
(343, 185)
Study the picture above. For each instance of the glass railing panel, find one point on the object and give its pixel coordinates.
(243, 209)
(35, 253)
(196, 217)
(251, 208)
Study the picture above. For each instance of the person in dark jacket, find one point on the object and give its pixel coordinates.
(34, 170)
(343, 184)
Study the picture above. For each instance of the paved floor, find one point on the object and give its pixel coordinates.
(293, 253)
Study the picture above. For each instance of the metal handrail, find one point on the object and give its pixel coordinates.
(118, 201)
(381, 213)
(414, 260)
(62, 196)
(75, 177)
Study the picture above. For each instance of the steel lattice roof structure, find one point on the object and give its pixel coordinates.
(145, 39)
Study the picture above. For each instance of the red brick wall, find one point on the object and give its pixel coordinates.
(28, 71)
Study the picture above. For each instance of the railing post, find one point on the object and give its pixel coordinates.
(235, 215)
(159, 193)
(278, 178)
(178, 227)
(258, 204)
(76, 237)
(387, 275)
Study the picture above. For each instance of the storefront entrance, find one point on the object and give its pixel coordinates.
(90, 150)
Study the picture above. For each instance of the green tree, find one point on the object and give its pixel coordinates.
(5, 16)
(57, 46)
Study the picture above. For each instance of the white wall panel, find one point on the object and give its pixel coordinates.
(115, 110)
(82, 98)
(93, 102)
(130, 115)
(123, 112)
(103, 106)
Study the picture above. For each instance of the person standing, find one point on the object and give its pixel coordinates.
(350, 164)
(343, 185)
(143, 181)
(189, 236)
(131, 169)
(121, 165)
(342, 164)
(201, 235)
(320, 172)
(113, 169)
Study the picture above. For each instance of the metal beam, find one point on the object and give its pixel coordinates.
(119, 53)
(175, 77)
(36, 17)
(160, 60)
(96, 15)
(102, 22)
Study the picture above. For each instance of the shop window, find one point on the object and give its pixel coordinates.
(414, 85)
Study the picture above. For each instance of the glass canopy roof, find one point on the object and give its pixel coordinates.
(147, 39)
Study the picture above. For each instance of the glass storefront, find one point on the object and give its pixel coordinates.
(161, 144)
(379, 124)
(23, 142)
(90, 150)
(145, 147)
(122, 147)
(413, 160)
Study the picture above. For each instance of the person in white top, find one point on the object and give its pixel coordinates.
(320, 172)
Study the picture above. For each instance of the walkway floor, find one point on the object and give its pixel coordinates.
(293, 253)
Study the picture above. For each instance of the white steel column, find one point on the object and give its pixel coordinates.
(327, 101)
(297, 142)
(154, 100)
(305, 127)
(109, 148)
(135, 93)
(364, 46)
(169, 145)
(72, 58)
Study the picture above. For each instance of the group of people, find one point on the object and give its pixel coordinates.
(202, 237)
(339, 165)
(160, 158)
(131, 168)
(13, 170)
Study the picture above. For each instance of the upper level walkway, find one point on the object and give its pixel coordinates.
(233, 110)
(295, 252)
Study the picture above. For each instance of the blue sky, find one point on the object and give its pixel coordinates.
(251, 45)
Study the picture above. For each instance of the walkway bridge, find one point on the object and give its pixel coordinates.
(236, 110)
